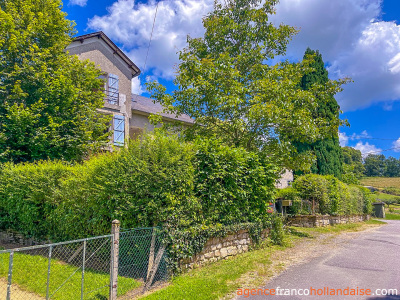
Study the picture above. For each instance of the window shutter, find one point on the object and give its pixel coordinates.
(113, 88)
(119, 130)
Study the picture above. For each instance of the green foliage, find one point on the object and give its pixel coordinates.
(48, 98)
(28, 195)
(277, 233)
(184, 244)
(237, 184)
(375, 165)
(380, 166)
(392, 167)
(327, 151)
(333, 197)
(391, 191)
(227, 84)
(353, 168)
(158, 180)
(314, 188)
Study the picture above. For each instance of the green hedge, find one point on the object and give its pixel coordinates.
(157, 180)
(330, 196)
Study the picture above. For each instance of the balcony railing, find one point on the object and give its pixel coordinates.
(112, 97)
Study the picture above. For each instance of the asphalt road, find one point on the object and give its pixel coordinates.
(370, 261)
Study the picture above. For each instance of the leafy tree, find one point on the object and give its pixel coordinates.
(227, 82)
(375, 165)
(353, 168)
(327, 150)
(48, 99)
(392, 167)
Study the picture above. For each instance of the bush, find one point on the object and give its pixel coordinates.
(391, 191)
(314, 188)
(298, 207)
(333, 197)
(277, 233)
(28, 196)
(156, 181)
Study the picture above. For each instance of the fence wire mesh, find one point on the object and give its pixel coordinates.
(70, 270)
(81, 269)
(142, 256)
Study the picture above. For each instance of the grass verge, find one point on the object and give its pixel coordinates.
(392, 216)
(30, 273)
(219, 279)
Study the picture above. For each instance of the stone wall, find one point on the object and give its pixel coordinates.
(222, 248)
(12, 239)
(321, 221)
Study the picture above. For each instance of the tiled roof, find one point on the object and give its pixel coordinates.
(147, 105)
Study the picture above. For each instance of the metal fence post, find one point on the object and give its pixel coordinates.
(83, 269)
(114, 259)
(48, 274)
(10, 269)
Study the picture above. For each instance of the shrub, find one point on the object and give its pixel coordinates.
(314, 188)
(28, 196)
(277, 233)
(234, 185)
(298, 206)
(333, 197)
(156, 181)
(391, 191)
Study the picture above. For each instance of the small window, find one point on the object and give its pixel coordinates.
(119, 130)
(113, 89)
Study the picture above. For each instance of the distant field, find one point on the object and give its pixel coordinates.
(385, 197)
(381, 182)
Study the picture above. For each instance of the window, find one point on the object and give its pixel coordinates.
(112, 91)
(119, 130)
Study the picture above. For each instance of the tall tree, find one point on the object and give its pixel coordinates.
(48, 99)
(392, 167)
(227, 82)
(328, 153)
(375, 165)
(353, 168)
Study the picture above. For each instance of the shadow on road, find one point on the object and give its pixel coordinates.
(396, 297)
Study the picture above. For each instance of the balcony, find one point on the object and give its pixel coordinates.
(112, 97)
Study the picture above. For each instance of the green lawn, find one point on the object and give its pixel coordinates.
(385, 197)
(215, 280)
(30, 273)
(390, 216)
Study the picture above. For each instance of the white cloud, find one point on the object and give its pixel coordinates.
(374, 65)
(78, 2)
(367, 148)
(130, 24)
(137, 87)
(348, 33)
(396, 145)
(343, 139)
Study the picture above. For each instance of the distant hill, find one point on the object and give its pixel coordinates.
(381, 182)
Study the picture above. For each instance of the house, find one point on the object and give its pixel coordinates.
(286, 180)
(129, 112)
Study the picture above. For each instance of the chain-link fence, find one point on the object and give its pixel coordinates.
(86, 268)
(70, 270)
(142, 256)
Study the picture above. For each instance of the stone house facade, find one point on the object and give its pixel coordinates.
(129, 112)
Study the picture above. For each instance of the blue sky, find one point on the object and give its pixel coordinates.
(357, 38)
